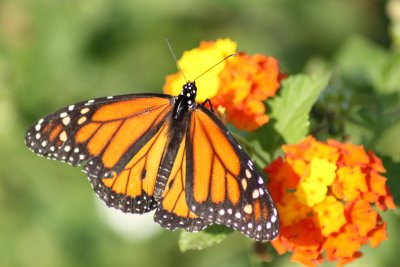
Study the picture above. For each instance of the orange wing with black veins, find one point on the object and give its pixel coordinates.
(222, 183)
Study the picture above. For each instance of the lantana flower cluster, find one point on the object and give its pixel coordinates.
(325, 192)
(239, 85)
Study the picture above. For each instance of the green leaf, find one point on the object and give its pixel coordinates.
(211, 236)
(388, 142)
(291, 109)
(361, 61)
(269, 142)
(390, 78)
(365, 63)
(392, 174)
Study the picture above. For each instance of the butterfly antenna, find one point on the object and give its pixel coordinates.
(176, 61)
(225, 58)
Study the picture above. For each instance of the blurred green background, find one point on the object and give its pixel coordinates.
(55, 53)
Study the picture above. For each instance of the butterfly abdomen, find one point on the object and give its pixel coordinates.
(176, 134)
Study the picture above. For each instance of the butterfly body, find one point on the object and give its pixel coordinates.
(153, 151)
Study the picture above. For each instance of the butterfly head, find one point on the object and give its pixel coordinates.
(186, 100)
(189, 91)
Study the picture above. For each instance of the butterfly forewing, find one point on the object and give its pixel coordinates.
(99, 131)
(119, 139)
(222, 183)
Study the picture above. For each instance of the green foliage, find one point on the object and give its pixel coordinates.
(211, 236)
(370, 74)
(364, 63)
(291, 110)
(392, 174)
(290, 116)
(369, 82)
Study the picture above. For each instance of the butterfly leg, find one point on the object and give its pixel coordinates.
(209, 102)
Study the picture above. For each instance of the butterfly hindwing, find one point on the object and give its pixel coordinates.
(132, 189)
(222, 184)
(173, 212)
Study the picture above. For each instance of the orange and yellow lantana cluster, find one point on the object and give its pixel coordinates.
(239, 84)
(324, 193)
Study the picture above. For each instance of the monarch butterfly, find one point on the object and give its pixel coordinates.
(154, 151)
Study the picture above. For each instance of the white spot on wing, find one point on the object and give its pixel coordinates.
(256, 194)
(66, 120)
(63, 136)
(81, 120)
(84, 110)
(89, 102)
(248, 173)
(244, 184)
(248, 209)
